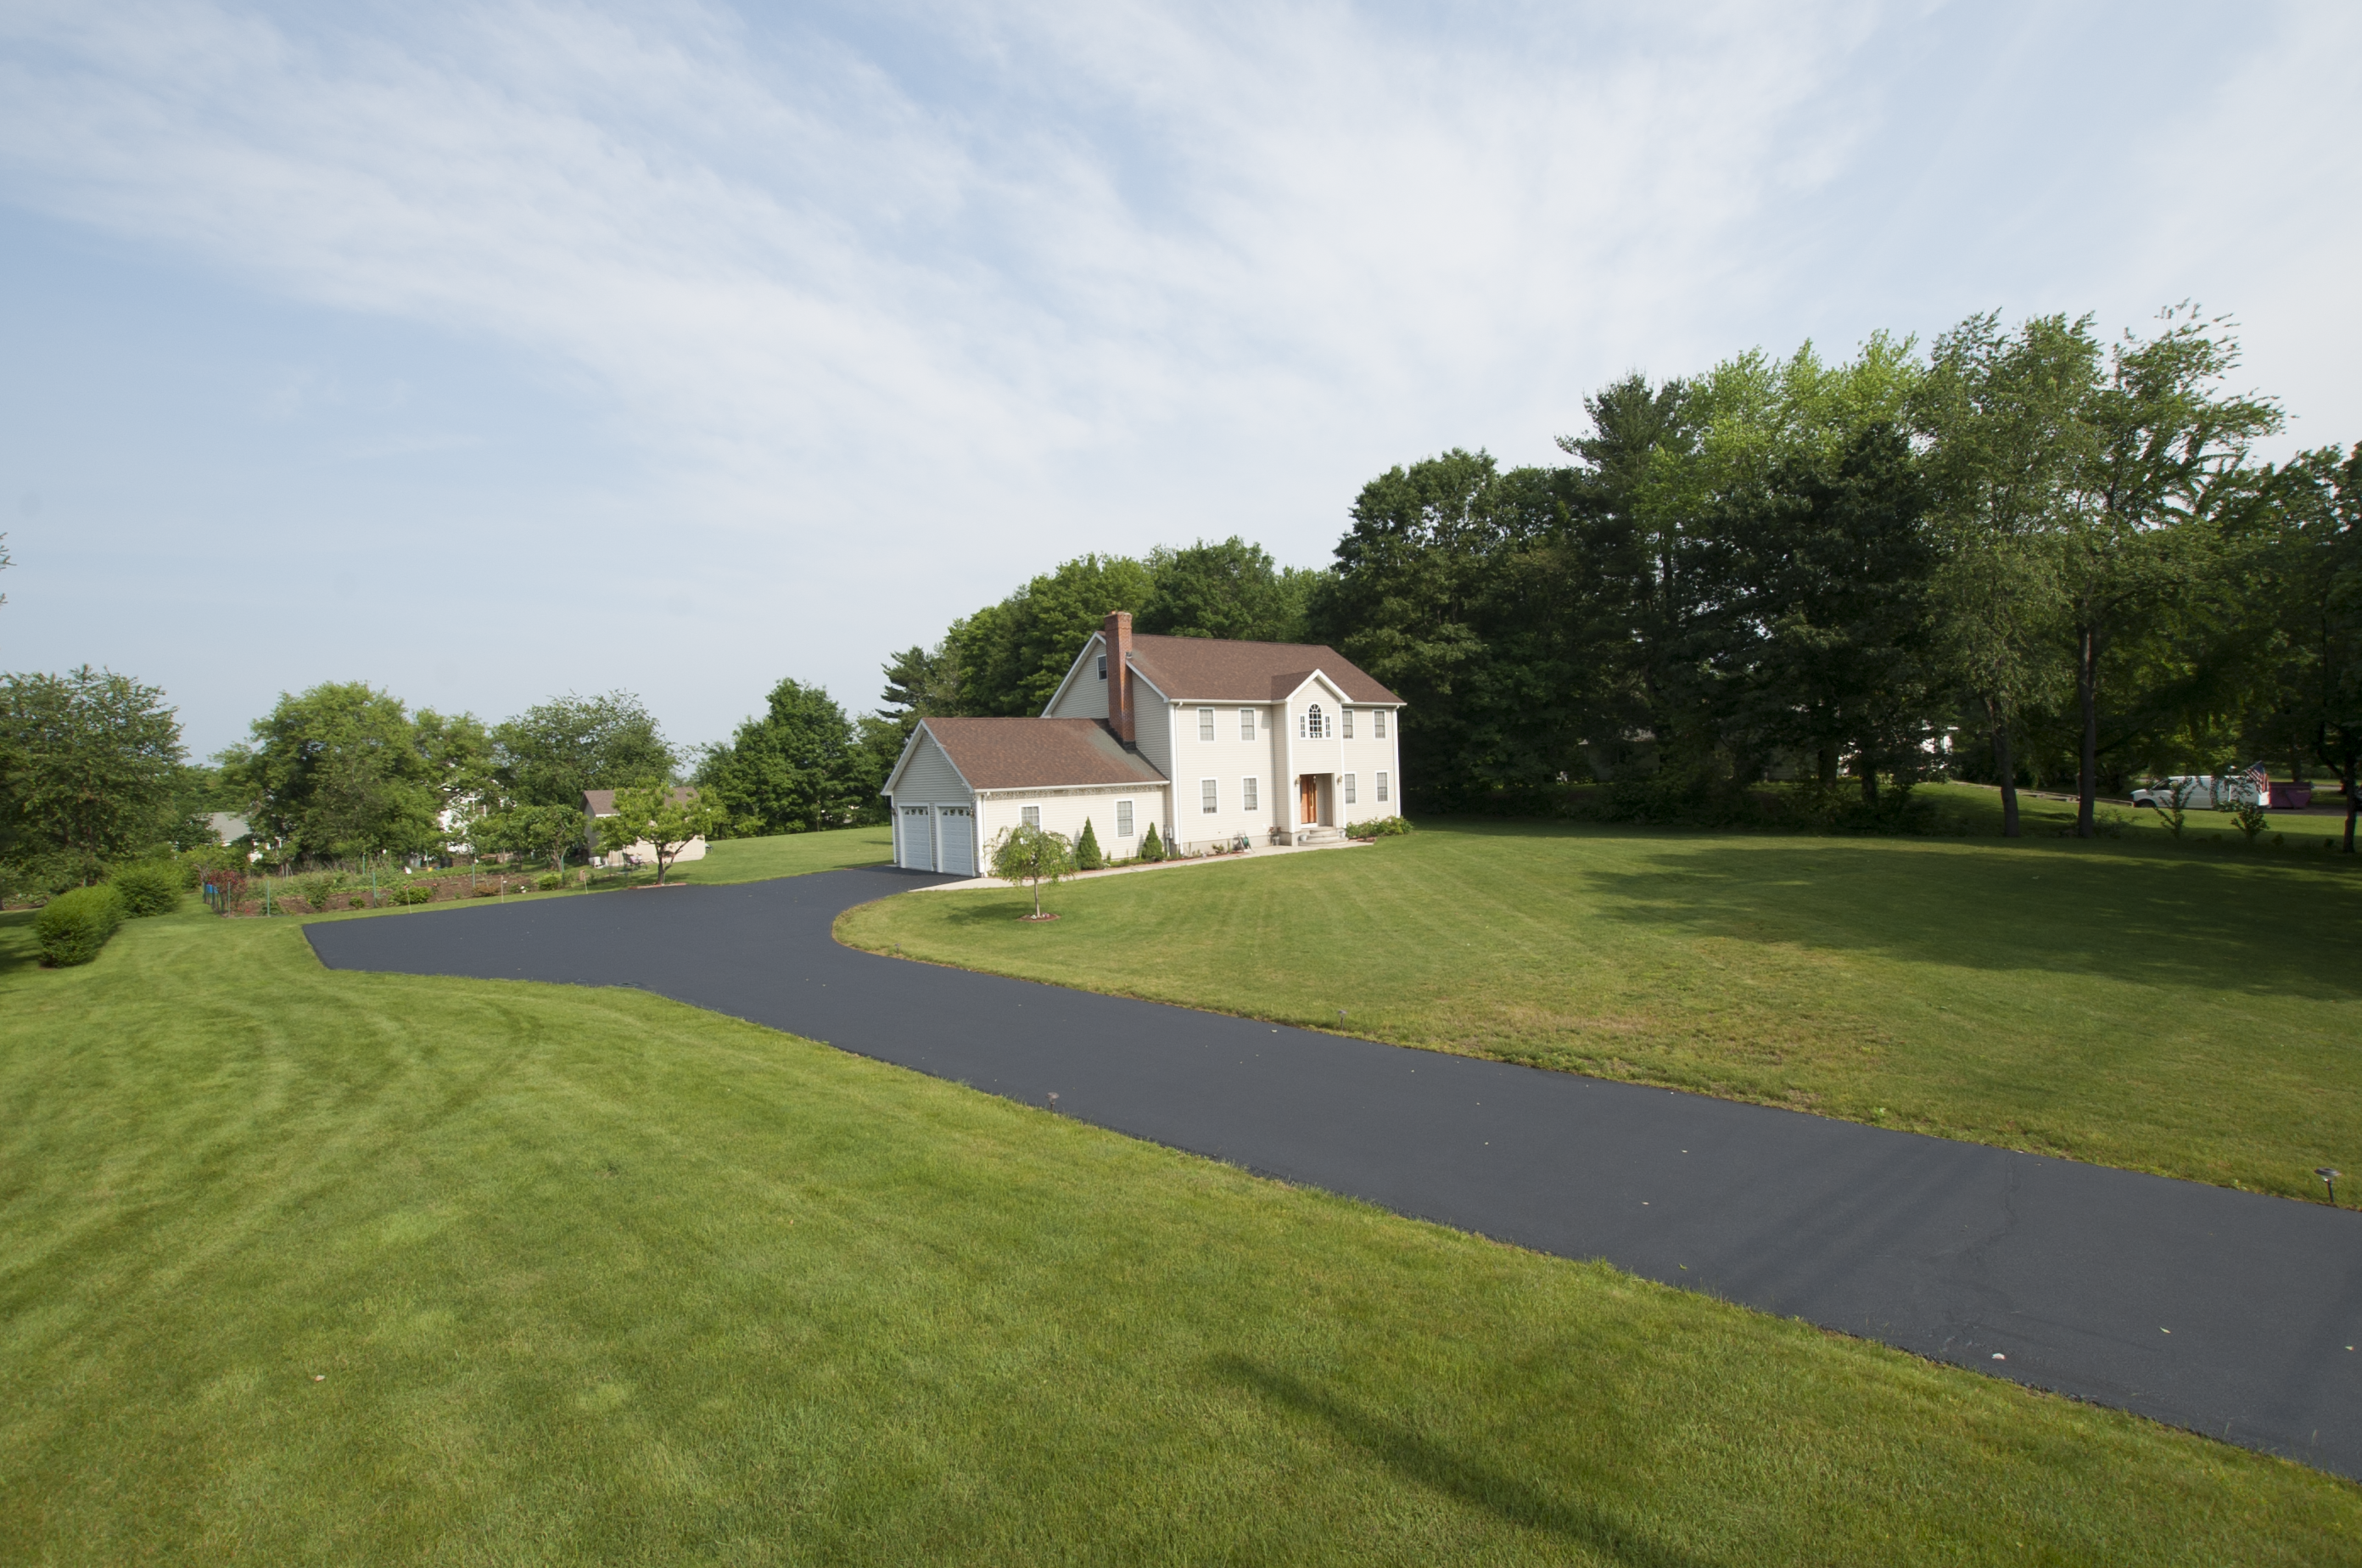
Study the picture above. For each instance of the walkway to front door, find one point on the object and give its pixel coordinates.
(1308, 798)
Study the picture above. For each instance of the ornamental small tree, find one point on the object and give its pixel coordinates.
(666, 818)
(1028, 854)
(1086, 850)
(1152, 848)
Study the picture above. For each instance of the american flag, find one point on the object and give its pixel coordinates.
(2261, 777)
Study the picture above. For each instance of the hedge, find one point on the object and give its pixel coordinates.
(73, 926)
(148, 887)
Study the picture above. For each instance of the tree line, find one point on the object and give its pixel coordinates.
(2023, 555)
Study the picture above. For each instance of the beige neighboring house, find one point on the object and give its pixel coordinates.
(597, 803)
(1212, 741)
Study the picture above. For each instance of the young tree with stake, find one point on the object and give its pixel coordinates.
(1028, 854)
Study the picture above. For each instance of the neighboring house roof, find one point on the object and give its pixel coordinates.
(601, 802)
(1210, 669)
(1036, 754)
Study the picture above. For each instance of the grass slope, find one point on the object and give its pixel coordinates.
(2196, 1012)
(307, 1266)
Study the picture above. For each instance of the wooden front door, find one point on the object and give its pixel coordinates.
(1307, 791)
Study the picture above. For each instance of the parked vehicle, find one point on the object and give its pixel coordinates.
(2204, 792)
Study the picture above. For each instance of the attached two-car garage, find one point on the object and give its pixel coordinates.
(935, 838)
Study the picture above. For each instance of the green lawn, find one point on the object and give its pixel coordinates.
(2194, 1010)
(789, 855)
(302, 1266)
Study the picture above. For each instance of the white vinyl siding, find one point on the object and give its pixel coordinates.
(1205, 723)
(1349, 789)
(1030, 816)
(955, 833)
(1123, 819)
(1380, 718)
(1209, 796)
(1246, 794)
(1382, 786)
(1246, 724)
(1153, 725)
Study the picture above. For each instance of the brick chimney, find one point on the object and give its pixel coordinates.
(1117, 634)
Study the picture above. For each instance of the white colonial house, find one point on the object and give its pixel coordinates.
(1214, 742)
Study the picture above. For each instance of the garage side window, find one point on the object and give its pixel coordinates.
(1246, 794)
(1123, 819)
(1032, 816)
(1208, 795)
(1205, 723)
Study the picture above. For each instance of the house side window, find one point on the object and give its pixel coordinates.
(1348, 715)
(1381, 718)
(1246, 794)
(1208, 792)
(1382, 786)
(1205, 723)
(1246, 724)
(1349, 789)
(1102, 667)
(1032, 816)
(1123, 819)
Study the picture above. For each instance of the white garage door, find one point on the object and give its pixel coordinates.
(958, 828)
(917, 846)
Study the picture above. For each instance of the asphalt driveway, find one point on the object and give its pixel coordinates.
(2228, 1312)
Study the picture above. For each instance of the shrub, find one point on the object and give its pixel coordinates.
(148, 887)
(485, 891)
(549, 881)
(73, 926)
(2249, 819)
(1086, 850)
(1377, 827)
(413, 893)
(1152, 848)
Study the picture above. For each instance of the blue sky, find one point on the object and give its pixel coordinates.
(489, 351)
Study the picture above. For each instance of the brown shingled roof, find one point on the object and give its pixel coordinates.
(1212, 670)
(1037, 754)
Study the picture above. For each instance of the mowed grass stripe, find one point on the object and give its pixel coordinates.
(298, 1265)
(2188, 1011)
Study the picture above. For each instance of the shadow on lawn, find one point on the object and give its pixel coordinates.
(2251, 928)
(1420, 1459)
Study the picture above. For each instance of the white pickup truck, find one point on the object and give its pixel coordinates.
(2200, 792)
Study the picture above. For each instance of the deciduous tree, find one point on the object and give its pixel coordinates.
(90, 762)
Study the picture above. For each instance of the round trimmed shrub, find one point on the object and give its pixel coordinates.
(73, 926)
(148, 887)
(413, 893)
(549, 881)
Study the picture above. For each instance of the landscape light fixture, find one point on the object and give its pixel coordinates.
(2329, 1179)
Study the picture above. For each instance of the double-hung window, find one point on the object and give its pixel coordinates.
(1102, 667)
(1382, 786)
(1348, 715)
(1379, 719)
(1032, 816)
(1246, 724)
(1123, 819)
(1246, 794)
(1205, 723)
(1349, 789)
(1208, 796)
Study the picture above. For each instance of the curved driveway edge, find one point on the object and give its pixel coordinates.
(2228, 1312)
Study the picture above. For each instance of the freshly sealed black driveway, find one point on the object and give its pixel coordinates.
(2223, 1311)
